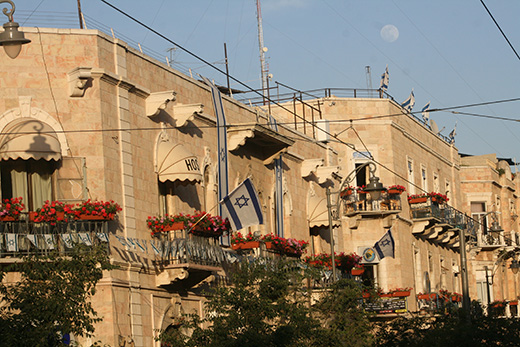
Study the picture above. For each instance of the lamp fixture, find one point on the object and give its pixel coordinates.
(374, 187)
(515, 266)
(11, 38)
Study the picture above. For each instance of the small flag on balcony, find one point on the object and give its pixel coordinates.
(409, 103)
(67, 240)
(385, 246)
(49, 241)
(102, 237)
(12, 242)
(33, 239)
(142, 245)
(242, 206)
(157, 248)
(85, 239)
(121, 240)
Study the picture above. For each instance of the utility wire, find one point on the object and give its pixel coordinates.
(499, 28)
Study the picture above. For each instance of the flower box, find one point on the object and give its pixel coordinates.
(246, 245)
(95, 217)
(345, 193)
(357, 272)
(385, 295)
(174, 226)
(366, 295)
(269, 245)
(417, 200)
(402, 293)
(431, 296)
(394, 191)
(513, 303)
(7, 219)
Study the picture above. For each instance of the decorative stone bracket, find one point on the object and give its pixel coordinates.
(79, 79)
(157, 102)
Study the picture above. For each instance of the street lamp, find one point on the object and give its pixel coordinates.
(11, 38)
(374, 187)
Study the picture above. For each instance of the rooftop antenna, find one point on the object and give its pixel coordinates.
(263, 66)
(80, 15)
(434, 126)
(369, 80)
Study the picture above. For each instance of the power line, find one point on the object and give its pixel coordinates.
(499, 28)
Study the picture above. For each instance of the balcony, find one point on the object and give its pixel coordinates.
(24, 237)
(441, 223)
(185, 260)
(362, 204)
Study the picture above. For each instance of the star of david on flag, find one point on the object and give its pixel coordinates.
(242, 206)
(385, 246)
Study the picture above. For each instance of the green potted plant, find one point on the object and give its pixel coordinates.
(396, 189)
(250, 241)
(417, 198)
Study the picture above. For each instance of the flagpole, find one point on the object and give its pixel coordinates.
(331, 233)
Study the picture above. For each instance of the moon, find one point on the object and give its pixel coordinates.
(389, 33)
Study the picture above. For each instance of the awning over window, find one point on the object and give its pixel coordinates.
(28, 138)
(318, 214)
(175, 162)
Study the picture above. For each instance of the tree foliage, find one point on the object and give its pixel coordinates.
(51, 298)
(268, 304)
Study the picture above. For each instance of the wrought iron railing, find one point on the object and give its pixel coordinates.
(179, 247)
(363, 202)
(24, 237)
(445, 214)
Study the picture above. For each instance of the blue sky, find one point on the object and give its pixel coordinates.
(450, 52)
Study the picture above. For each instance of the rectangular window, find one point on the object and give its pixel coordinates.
(424, 180)
(410, 176)
(29, 179)
(436, 187)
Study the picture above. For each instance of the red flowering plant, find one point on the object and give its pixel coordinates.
(347, 191)
(397, 187)
(52, 212)
(238, 238)
(204, 224)
(11, 208)
(438, 197)
(286, 246)
(344, 261)
(161, 224)
(106, 209)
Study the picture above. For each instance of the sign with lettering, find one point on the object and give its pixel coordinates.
(387, 305)
(192, 164)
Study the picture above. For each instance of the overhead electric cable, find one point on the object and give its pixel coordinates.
(499, 28)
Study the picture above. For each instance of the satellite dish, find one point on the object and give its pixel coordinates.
(434, 126)
(265, 49)
(426, 282)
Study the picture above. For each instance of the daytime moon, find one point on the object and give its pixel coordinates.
(389, 33)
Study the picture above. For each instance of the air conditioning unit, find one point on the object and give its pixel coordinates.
(323, 130)
(368, 254)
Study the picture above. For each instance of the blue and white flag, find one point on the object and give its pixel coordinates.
(409, 103)
(85, 239)
(12, 242)
(157, 248)
(122, 240)
(223, 186)
(49, 241)
(67, 240)
(453, 133)
(142, 245)
(130, 242)
(34, 239)
(102, 237)
(385, 246)
(384, 80)
(242, 206)
(425, 113)
(278, 170)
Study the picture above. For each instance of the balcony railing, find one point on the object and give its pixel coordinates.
(363, 203)
(178, 247)
(445, 216)
(20, 238)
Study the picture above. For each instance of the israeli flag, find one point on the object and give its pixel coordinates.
(142, 246)
(385, 246)
(409, 103)
(425, 113)
(12, 242)
(85, 239)
(157, 248)
(453, 133)
(102, 237)
(242, 206)
(130, 242)
(49, 241)
(34, 239)
(278, 169)
(384, 80)
(67, 240)
(121, 240)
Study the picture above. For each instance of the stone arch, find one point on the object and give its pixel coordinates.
(25, 110)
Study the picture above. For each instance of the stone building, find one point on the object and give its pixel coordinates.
(100, 120)
(490, 192)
